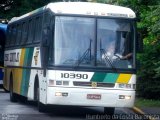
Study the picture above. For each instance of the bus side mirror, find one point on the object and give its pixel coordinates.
(139, 43)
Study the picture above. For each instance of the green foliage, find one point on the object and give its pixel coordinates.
(20, 7)
(140, 102)
(149, 73)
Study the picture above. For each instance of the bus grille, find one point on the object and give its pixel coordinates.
(89, 84)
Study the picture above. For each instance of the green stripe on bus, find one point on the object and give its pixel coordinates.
(28, 57)
(26, 72)
(105, 77)
(98, 77)
(25, 81)
(111, 78)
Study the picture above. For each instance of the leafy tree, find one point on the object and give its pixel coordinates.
(20, 7)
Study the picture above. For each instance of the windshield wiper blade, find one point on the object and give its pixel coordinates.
(106, 57)
(84, 55)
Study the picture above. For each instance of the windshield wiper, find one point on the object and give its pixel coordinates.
(84, 55)
(106, 57)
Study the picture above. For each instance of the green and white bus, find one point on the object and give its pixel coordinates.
(73, 53)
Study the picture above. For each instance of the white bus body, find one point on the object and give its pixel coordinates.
(49, 64)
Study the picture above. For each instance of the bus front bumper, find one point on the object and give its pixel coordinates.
(90, 97)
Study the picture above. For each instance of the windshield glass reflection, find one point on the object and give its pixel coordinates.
(74, 40)
(114, 43)
(93, 42)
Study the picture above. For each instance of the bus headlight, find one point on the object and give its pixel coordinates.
(58, 83)
(64, 83)
(134, 86)
(51, 83)
(121, 86)
(128, 86)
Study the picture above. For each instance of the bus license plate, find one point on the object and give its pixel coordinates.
(94, 96)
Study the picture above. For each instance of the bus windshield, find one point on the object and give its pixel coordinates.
(94, 42)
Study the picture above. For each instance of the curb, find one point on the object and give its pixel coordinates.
(140, 112)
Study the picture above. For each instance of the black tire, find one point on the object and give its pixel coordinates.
(22, 99)
(41, 106)
(13, 96)
(109, 110)
(5, 90)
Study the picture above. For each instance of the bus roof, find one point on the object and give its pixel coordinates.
(88, 8)
(83, 8)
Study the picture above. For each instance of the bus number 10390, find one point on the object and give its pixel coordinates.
(74, 76)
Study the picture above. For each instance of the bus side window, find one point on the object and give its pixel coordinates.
(38, 29)
(19, 32)
(2, 40)
(13, 36)
(46, 28)
(8, 37)
(31, 31)
(51, 53)
(24, 33)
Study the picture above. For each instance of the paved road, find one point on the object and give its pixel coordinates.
(28, 111)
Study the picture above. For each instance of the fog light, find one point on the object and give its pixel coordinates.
(58, 94)
(126, 97)
(64, 94)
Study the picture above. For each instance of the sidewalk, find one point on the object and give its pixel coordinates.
(153, 112)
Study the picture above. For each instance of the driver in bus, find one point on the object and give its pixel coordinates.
(110, 53)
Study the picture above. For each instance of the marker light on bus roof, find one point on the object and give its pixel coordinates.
(59, 11)
(88, 13)
(95, 13)
(131, 16)
(103, 13)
